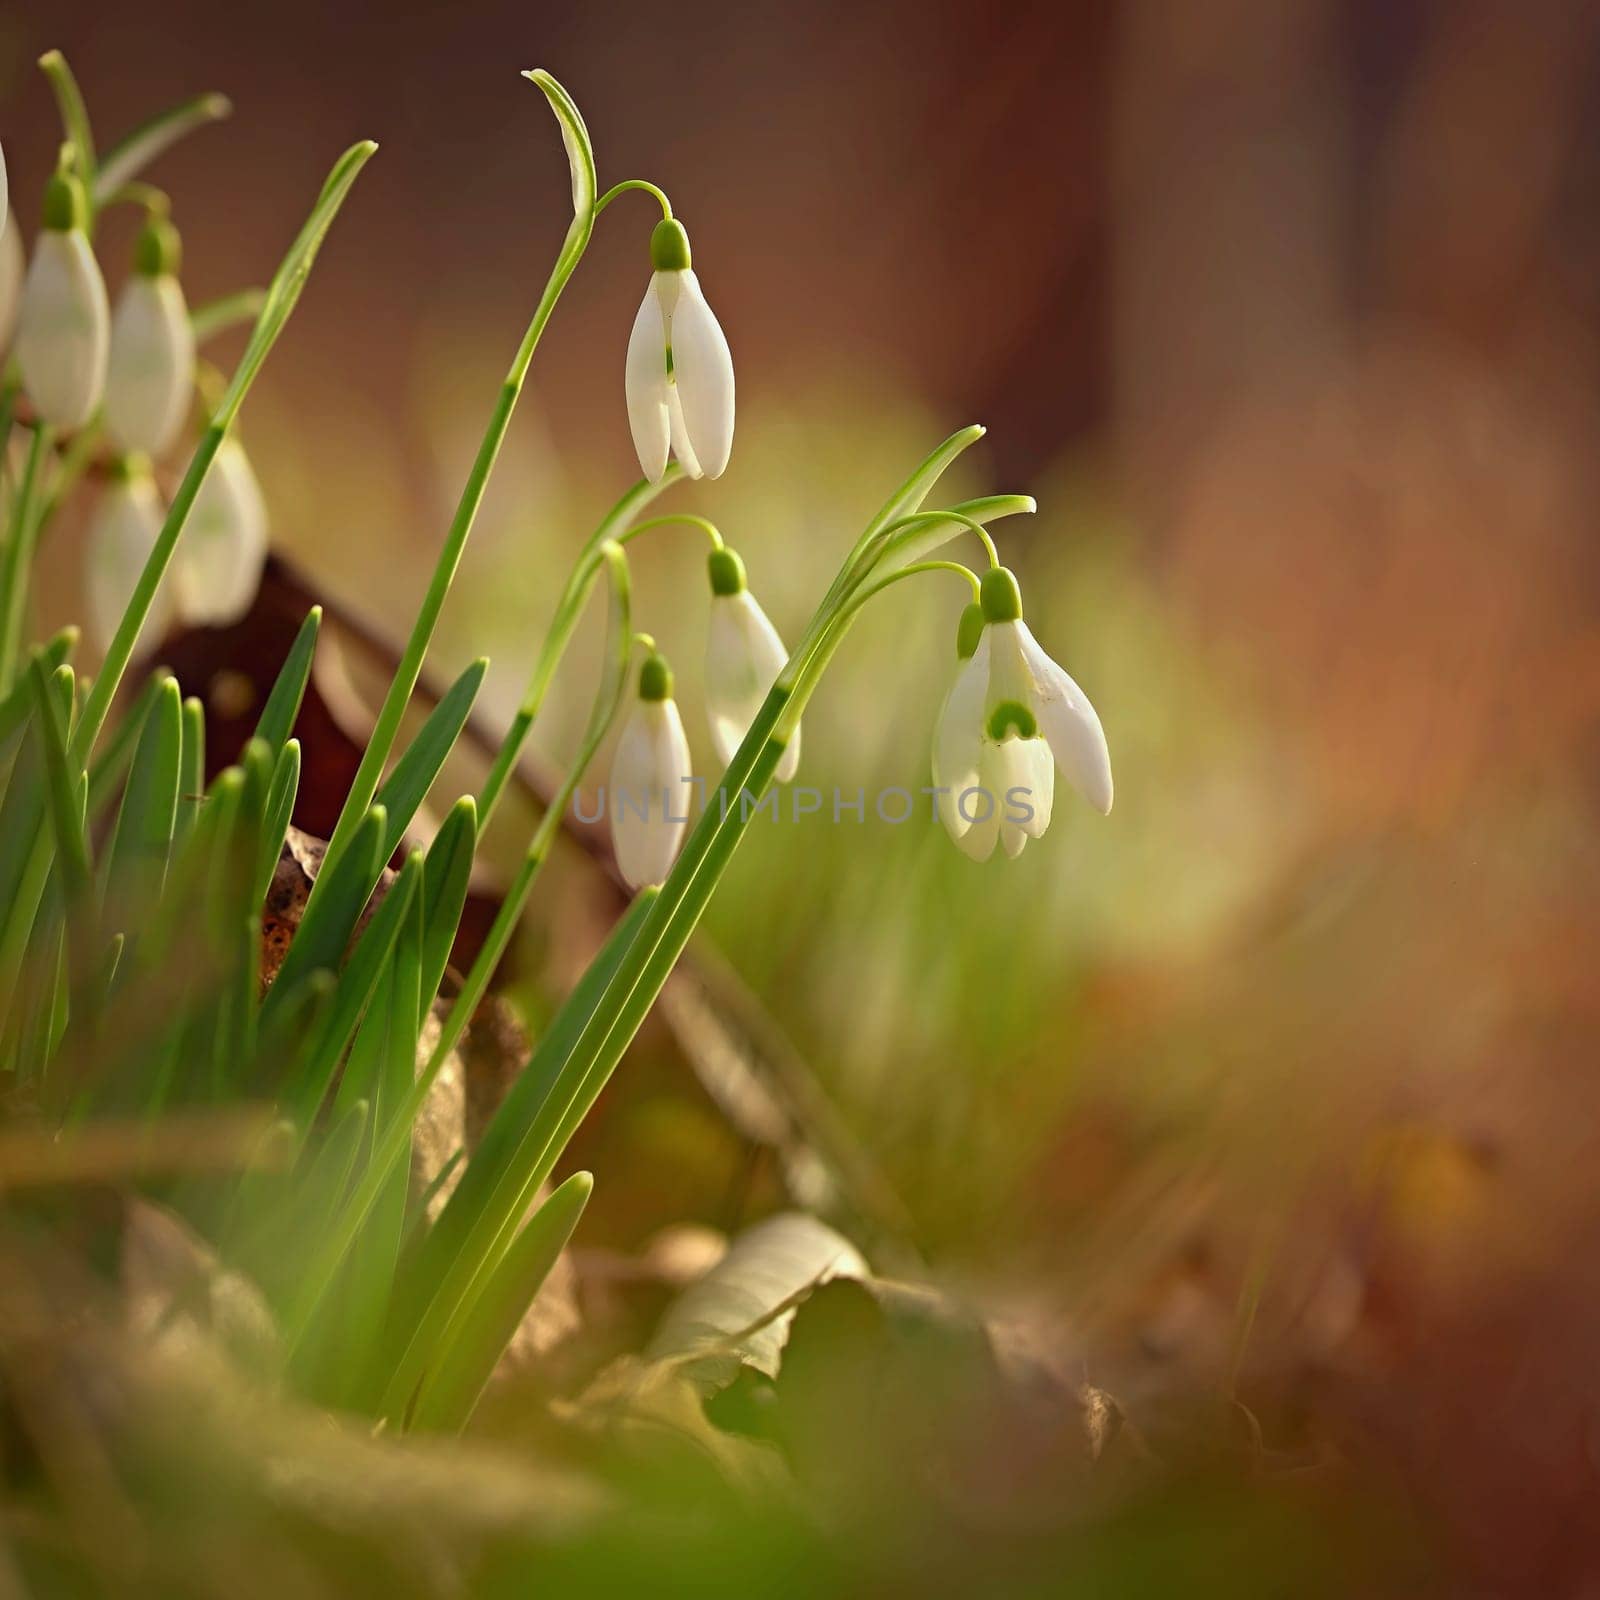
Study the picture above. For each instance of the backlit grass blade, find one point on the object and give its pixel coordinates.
(280, 302)
(407, 786)
(136, 862)
(330, 917)
(110, 766)
(192, 780)
(357, 984)
(448, 870)
(53, 696)
(17, 706)
(289, 689)
(451, 1392)
(279, 811)
(491, 1196)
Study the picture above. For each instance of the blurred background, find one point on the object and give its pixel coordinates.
(1287, 314)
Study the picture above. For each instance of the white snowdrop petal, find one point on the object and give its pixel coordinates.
(1069, 723)
(958, 736)
(646, 384)
(151, 368)
(224, 543)
(13, 269)
(64, 331)
(649, 794)
(681, 447)
(744, 656)
(123, 532)
(979, 805)
(702, 366)
(1032, 770)
(6, 221)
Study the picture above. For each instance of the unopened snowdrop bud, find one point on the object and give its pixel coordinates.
(224, 543)
(1012, 717)
(65, 328)
(651, 781)
(122, 534)
(679, 372)
(151, 372)
(744, 656)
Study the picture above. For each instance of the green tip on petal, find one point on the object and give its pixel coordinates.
(1002, 599)
(1011, 716)
(159, 251)
(66, 206)
(727, 572)
(655, 678)
(129, 468)
(969, 631)
(669, 246)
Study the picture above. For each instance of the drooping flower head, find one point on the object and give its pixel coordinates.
(651, 774)
(64, 332)
(121, 536)
(1012, 717)
(224, 543)
(680, 372)
(744, 656)
(150, 375)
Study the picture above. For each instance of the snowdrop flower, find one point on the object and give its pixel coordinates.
(680, 374)
(224, 543)
(650, 781)
(1011, 718)
(13, 268)
(744, 656)
(121, 536)
(65, 328)
(151, 369)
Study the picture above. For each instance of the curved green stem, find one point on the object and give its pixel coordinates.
(681, 518)
(634, 183)
(924, 519)
(157, 203)
(74, 114)
(387, 726)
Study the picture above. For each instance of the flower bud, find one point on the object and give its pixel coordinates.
(651, 777)
(122, 534)
(64, 331)
(744, 656)
(224, 543)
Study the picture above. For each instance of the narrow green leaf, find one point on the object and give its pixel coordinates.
(283, 704)
(447, 873)
(53, 697)
(330, 917)
(357, 984)
(141, 842)
(284, 290)
(110, 767)
(497, 1183)
(192, 776)
(580, 151)
(279, 811)
(407, 786)
(135, 151)
(451, 1393)
(17, 706)
(281, 297)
